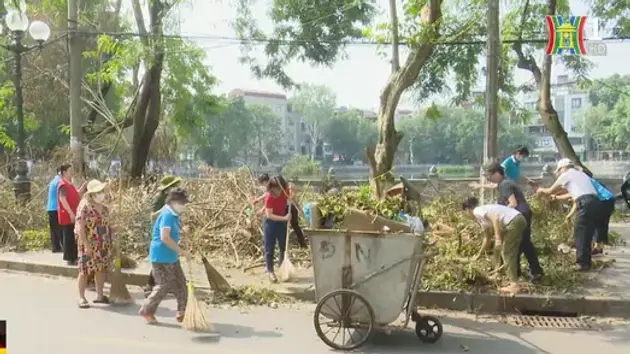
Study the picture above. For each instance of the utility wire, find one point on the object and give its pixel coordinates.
(294, 41)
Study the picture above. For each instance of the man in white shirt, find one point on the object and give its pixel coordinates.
(508, 225)
(579, 187)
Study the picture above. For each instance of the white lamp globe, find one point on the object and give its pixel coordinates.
(39, 31)
(16, 21)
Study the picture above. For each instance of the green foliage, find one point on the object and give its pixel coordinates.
(455, 238)
(462, 171)
(229, 130)
(316, 104)
(615, 14)
(349, 134)
(311, 31)
(302, 166)
(33, 240)
(608, 120)
(459, 134)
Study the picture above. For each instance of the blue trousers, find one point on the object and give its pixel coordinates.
(274, 232)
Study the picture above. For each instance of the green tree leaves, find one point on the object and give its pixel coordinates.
(458, 133)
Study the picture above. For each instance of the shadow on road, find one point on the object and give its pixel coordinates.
(408, 342)
(238, 331)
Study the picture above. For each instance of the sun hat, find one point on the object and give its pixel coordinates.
(168, 181)
(565, 162)
(95, 186)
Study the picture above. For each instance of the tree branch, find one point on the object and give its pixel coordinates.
(525, 62)
(395, 38)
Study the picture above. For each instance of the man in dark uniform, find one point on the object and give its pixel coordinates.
(510, 194)
(166, 184)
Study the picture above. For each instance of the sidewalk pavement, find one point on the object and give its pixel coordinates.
(606, 294)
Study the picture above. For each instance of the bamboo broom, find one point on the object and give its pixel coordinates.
(195, 319)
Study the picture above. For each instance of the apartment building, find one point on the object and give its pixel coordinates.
(568, 99)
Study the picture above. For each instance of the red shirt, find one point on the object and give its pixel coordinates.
(277, 204)
(67, 190)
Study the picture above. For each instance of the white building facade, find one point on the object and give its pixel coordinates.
(568, 100)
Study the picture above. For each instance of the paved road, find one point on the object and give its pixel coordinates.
(43, 317)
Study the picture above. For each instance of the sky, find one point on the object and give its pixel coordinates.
(357, 80)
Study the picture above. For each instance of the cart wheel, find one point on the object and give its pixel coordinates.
(429, 329)
(352, 326)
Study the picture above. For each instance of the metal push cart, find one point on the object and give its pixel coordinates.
(363, 280)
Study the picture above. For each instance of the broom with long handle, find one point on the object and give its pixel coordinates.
(195, 319)
(286, 271)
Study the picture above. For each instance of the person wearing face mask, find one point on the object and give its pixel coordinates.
(512, 166)
(164, 254)
(94, 241)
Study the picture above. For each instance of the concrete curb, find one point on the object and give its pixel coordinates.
(477, 303)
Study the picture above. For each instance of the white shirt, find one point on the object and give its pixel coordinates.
(503, 213)
(577, 183)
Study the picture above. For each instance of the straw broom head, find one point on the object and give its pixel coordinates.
(195, 319)
(287, 270)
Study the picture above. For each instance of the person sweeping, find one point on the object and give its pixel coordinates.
(275, 222)
(507, 224)
(166, 184)
(164, 255)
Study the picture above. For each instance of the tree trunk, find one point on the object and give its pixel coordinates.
(381, 157)
(148, 109)
(547, 112)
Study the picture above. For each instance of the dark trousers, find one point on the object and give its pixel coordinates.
(295, 225)
(601, 229)
(55, 232)
(69, 243)
(151, 283)
(527, 247)
(274, 232)
(586, 220)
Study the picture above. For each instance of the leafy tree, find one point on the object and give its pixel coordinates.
(523, 21)
(608, 128)
(349, 134)
(301, 166)
(459, 134)
(608, 90)
(615, 14)
(317, 105)
(264, 134)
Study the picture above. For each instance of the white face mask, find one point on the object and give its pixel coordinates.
(99, 198)
(179, 208)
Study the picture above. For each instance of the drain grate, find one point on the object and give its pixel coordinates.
(551, 322)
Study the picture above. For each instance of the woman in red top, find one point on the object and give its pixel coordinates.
(67, 203)
(274, 224)
(295, 217)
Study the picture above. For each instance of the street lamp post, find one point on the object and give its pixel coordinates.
(18, 24)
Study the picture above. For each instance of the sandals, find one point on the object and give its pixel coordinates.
(149, 318)
(179, 318)
(103, 300)
(84, 304)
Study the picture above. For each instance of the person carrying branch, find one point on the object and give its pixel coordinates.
(507, 224)
(588, 206)
(510, 194)
(607, 199)
(287, 189)
(159, 201)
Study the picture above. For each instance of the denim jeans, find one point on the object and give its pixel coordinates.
(274, 232)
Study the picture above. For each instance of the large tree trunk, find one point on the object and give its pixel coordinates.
(148, 109)
(547, 112)
(381, 157)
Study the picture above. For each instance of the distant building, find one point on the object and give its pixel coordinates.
(567, 100)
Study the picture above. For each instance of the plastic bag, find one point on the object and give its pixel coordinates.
(415, 223)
